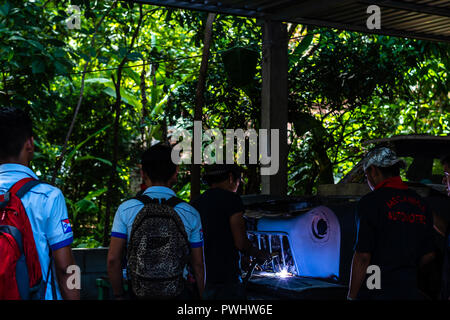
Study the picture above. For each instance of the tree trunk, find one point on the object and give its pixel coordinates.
(200, 101)
(112, 186)
(60, 159)
(144, 107)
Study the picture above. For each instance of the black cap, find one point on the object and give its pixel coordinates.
(215, 170)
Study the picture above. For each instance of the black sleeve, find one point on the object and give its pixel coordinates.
(446, 269)
(234, 204)
(366, 220)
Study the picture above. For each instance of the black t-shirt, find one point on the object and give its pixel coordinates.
(446, 269)
(396, 227)
(216, 206)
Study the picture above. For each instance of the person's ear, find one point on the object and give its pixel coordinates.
(145, 177)
(376, 172)
(369, 177)
(29, 148)
(174, 177)
(29, 144)
(367, 172)
(373, 171)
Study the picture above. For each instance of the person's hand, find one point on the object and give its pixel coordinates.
(262, 256)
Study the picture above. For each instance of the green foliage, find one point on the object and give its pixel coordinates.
(350, 88)
(344, 88)
(32, 54)
(86, 242)
(240, 66)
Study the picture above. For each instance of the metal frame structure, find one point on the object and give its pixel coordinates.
(421, 19)
(282, 253)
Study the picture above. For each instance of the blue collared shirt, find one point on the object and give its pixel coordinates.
(127, 212)
(46, 209)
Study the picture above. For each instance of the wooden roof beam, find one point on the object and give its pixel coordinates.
(409, 6)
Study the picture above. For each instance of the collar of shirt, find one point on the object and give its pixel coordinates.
(159, 192)
(393, 182)
(17, 168)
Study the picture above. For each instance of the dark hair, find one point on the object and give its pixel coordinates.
(217, 173)
(15, 128)
(157, 163)
(391, 171)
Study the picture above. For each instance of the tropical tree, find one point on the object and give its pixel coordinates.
(131, 75)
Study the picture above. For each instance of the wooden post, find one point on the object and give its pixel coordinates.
(274, 99)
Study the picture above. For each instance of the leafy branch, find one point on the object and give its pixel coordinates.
(80, 97)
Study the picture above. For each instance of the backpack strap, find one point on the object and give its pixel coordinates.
(21, 265)
(146, 199)
(15, 233)
(51, 275)
(172, 202)
(21, 187)
(5, 201)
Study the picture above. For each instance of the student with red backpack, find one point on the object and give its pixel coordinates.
(35, 232)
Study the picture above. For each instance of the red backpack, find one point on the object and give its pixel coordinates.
(20, 269)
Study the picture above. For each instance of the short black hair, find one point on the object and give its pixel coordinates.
(157, 163)
(217, 173)
(15, 128)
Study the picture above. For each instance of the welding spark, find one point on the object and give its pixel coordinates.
(283, 274)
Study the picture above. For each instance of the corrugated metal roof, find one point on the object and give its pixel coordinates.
(421, 19)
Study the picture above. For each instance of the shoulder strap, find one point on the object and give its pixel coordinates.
(53, 282)
(145, 199)
(15, 233)
(172, 202)
(21, 187)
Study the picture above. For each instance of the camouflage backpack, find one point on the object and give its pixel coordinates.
(158, 250)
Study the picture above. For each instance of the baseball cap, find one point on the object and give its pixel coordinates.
(382, 157)
(215, 170)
